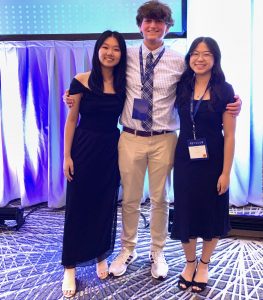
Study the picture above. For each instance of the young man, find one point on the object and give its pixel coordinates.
(140, 149)
(149, 146)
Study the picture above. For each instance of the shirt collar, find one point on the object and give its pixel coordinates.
(155, 53)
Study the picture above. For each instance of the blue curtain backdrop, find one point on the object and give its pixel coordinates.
(34, 76)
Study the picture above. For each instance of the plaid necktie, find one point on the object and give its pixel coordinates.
(147, 91)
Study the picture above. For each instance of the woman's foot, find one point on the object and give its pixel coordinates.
(201, 277)
(69, 282)
(185, 279)
(102, 269)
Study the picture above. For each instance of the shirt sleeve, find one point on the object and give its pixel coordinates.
(76, 87)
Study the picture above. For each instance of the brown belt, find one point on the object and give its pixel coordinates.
(145, 133)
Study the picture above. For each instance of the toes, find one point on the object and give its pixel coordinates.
(103, 274)
(68, 293)
(102, 269)
(182, 285)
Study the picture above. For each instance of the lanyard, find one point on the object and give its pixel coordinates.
(193, 111)
(145, 76)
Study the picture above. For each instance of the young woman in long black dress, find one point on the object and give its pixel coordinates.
(91, 160)
(203, 159)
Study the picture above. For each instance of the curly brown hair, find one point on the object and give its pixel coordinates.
(155, 10)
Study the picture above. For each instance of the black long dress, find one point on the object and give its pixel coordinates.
(199, 211)
(91, 199)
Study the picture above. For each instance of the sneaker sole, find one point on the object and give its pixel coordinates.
(158, 277)
(131, 261)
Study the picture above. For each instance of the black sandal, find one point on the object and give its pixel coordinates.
(185, 282)
(200, 285)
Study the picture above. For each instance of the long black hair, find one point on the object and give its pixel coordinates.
(185, 85)
(119, 72)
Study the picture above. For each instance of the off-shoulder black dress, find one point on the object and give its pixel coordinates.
(91, 199)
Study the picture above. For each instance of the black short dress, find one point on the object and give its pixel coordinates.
(198, 209)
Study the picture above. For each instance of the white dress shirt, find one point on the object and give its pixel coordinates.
(166, 75)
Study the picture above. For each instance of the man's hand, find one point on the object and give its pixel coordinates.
(234, 108)
(69, 101)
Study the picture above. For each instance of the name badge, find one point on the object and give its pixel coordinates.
(140, 109)
(197, 149)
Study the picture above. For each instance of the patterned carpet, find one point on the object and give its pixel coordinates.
(30, 265)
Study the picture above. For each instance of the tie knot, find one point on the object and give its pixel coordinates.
(149, 56)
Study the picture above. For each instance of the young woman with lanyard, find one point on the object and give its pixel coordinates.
(203, 159)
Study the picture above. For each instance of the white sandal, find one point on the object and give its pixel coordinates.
(69, 283)
(102, 269)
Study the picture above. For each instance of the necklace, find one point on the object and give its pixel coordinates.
(200, 95)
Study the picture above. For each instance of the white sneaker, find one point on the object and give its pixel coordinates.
(119, 266)
(159, 268)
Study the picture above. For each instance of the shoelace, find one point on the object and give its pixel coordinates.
(158, 257)
(123, 256)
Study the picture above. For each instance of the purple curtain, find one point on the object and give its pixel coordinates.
(33, 78)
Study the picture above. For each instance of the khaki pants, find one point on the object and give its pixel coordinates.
(136, 153)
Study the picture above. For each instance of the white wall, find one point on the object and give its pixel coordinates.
(235, 24)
